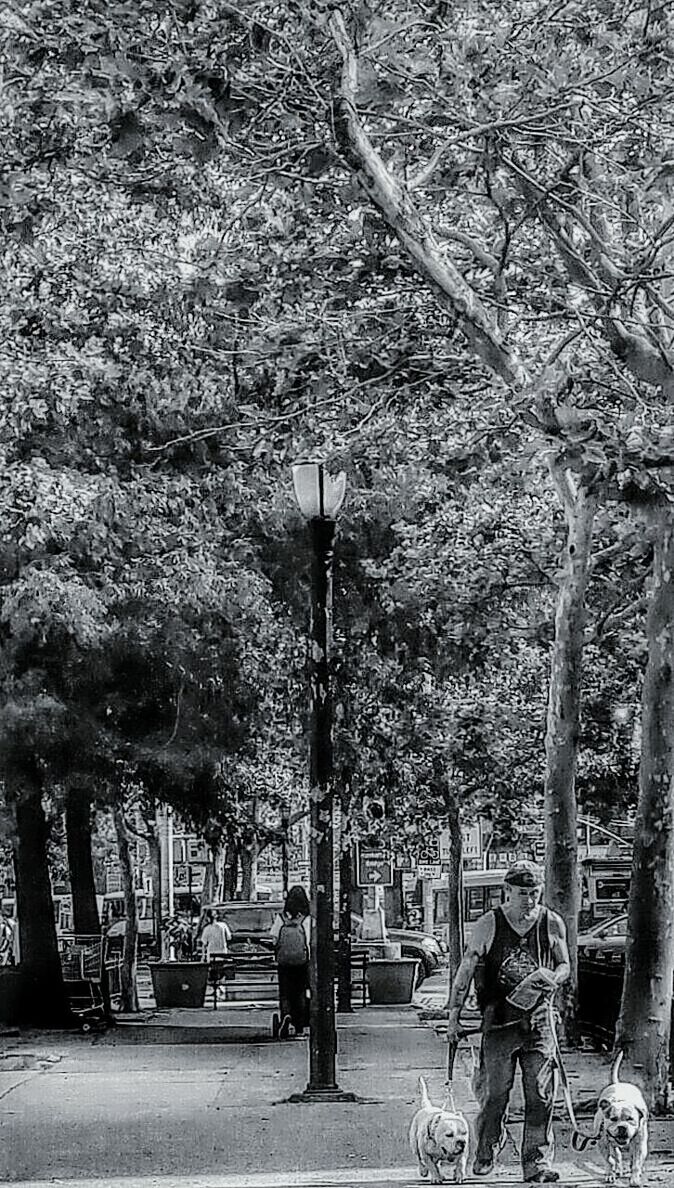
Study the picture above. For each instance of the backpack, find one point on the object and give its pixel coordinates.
(291, 946)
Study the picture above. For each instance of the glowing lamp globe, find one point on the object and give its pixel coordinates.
(318, 494)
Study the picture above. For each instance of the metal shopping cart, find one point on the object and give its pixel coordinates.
(84, 978)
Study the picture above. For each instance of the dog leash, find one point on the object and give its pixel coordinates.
(452, 1048)
(579, 1141)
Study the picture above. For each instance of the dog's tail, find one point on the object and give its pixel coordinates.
(615, 1067)
(423, 1093)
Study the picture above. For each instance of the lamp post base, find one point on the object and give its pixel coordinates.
(313, 1094)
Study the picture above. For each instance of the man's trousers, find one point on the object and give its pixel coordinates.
(502, 1049)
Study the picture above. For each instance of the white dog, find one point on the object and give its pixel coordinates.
(622, 1121)
(439, 1135)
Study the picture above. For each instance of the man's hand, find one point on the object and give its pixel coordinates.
(543, 980)
(453, 1025)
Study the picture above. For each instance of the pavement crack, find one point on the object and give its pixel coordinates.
(6, 1092)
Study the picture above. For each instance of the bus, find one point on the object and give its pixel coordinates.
(605, 888)
(482, 891)
(604, 885)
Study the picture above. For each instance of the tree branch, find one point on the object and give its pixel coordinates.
(482, 256)
(394, 203)
(422, 178)
(646, 362)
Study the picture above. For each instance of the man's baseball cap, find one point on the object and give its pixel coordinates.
(524, 874)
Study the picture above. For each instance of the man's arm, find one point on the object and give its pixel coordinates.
(481, 938)
(561, 963)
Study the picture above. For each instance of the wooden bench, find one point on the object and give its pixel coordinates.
(359, 969)
(249, 972)
(253, 972)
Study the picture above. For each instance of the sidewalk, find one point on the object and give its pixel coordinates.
(111, 1113)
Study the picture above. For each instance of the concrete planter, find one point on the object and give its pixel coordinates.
(13, 983)
(179, 983)
(390, 980)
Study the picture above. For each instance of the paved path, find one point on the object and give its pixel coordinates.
(82, 1113)
(373, 1177)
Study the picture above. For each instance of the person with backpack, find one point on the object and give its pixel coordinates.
(291, 931)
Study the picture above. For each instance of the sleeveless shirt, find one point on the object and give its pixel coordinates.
(509, 959)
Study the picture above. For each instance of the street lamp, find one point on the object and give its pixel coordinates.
(320, 497)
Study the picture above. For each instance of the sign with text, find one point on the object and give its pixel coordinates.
(188, 878)
(471, 842)
(374, 867)
(429, 870)
(428, 853)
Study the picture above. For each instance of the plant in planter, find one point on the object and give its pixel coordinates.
(180, 981)
(181, 938)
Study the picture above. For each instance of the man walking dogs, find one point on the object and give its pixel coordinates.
(518, 957)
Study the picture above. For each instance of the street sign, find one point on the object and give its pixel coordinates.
(374, 867)
(428, 853)
(429, 870)
(471, 842)
(188, 878)
(404, 862)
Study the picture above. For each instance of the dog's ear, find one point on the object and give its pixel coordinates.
(433, 1126)
(598, 1123)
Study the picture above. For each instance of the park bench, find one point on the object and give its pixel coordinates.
(244, 975)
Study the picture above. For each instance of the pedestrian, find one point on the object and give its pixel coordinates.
(215, 936)
(291, 931)
(520, 956)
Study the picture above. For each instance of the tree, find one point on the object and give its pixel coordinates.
(644, 1035)
(561, 829)
(78, 818)
(29, 742)
(296, 248)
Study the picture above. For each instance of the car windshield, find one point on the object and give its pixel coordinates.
(250, 919)
(614, 927)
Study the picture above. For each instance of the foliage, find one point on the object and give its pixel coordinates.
(197, 289)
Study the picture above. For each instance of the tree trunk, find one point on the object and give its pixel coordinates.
(561, 740)
(248, 871)
(45, 1002)
(86, 921)
(645, 1015)
(285, 843)
(230, 871)
(249, 855)
(155, 874)
(455, 888)
(129, 992)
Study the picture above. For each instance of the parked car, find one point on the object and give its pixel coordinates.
(251, 923)
(605, 941)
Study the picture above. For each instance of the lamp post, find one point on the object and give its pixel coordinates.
(320, 497)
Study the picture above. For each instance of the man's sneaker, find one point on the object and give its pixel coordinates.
(482, 1167)
(544, 1176)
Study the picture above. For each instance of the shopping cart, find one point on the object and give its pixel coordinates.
(83, 972)
(85, 1000)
